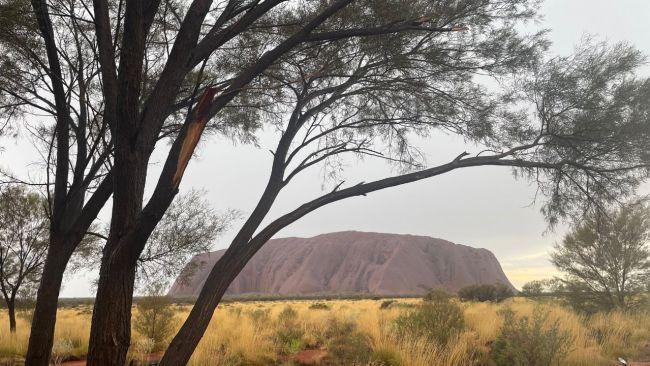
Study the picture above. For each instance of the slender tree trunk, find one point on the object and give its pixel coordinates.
(41, 337)
(11, 308)
(221, 276)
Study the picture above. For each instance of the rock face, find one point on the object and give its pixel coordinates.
(351, 263)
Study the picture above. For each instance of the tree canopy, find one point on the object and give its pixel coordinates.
(606, 258)
(23, 244)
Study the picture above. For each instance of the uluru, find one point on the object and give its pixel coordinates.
(351, 262)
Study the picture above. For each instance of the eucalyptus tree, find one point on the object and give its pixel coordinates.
(23, 244)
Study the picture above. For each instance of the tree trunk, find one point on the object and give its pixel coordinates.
(110, 334)
(221, 276)
(41, 337)
(11, 308)
(110, 331)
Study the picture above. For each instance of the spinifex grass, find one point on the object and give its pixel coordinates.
(247, 333)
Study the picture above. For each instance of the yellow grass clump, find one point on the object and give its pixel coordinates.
(246, 333)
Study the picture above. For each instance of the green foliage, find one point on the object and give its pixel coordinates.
(485, 292)
(319, 306)
(605, 259)
(437, 321)
(287, 315)
(527, 341)
(437, 295)
(385, 358)
(346, 345)
(155, 317)
(23, 243)
(189, 227)
(289, 333)
(533, 288)
(259, 315)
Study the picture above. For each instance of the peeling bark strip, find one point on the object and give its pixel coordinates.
(194, 131)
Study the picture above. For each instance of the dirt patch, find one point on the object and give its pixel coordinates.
(310, 357)
(151, 359)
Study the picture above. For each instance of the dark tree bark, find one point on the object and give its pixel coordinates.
(111, 328)
(10, 301)
(136, 134)
(60, 250)
(111, 323)
(11, 309)
(41, 337)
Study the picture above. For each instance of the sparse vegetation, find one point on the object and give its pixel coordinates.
(154, 317)
(533, 288)
(319, 306)
(530, 341)
(605, 259)
(248, 334)
(496, 292)
(438, 319)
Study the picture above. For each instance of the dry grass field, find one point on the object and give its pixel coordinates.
(267, 333)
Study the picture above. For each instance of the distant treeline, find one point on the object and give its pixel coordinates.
(89, 301)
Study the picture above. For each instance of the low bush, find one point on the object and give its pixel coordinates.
(346, 345)
(155, 317)
(289, 334)
(288, 314)
(386, 304)
(437, 295)
(259, 316)
(534, 341)
(485, 292)
(385, 358)
(319, 306)
(61, 351)
(437, 321)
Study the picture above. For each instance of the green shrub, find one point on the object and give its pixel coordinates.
(289, 333)
(259, 315)
(319, 306)
(61, 350)
(287, 314)
(346, 345)
(437, 295)
(155, 317)
(437, 321)
(496, 292)
(527, 341)
(385, 358)
(533, 288)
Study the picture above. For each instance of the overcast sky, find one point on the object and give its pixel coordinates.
(481, 207)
